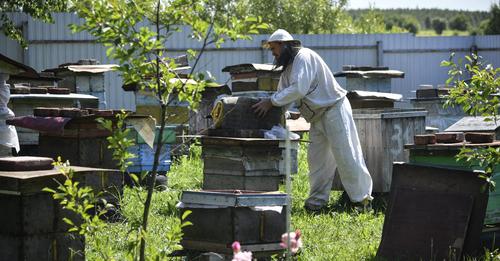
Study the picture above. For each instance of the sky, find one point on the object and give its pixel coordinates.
(470, 5)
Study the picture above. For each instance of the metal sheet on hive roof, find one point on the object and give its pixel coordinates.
(374, 95)
(250, 67)
(97, 68)
(371, 74)
(10, 66)
(234, 198)
(471, 123)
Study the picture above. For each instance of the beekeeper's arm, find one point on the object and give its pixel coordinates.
(301, 76)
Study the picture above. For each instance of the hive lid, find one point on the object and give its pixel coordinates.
(471, 123)
(25, 163)
(250, 67)
(234, 198)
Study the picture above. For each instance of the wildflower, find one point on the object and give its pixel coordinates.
(295, 241)
(239, 255)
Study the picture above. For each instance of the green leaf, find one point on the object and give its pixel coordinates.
(186, 214)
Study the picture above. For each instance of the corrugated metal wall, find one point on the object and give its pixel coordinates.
(419, 57)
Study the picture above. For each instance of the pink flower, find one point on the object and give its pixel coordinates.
(238, 255)
(295, 241)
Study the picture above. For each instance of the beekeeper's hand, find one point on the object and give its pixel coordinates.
(262, 107)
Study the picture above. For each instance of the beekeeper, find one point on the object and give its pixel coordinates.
(8, 134)
(308, 82)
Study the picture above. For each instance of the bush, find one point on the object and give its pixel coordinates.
(460, 22)
(406, 22)
(438, 25)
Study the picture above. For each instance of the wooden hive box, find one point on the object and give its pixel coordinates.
(244, 163)
(33, 227)
(383, 134)
(253, 77)
(236, 113)
(221, 217)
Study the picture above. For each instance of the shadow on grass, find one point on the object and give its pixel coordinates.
(344, 204)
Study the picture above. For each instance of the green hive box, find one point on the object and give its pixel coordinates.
(443, 155)
(169, 136)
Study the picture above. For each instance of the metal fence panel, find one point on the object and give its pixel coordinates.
(419, 57)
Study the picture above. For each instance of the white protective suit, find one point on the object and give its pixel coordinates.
(334, 139)
(8, 134)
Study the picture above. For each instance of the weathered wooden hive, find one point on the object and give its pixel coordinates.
(32, 227)
(256, 220)
(74, 134)
(383, 130)
(25, 104)
(253, 77)
(200, 120)
(244, 163)
(84, 77)
(383, 134)
(235, 114)
(432, 100)
(368, 78)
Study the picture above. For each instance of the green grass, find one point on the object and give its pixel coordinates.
(338, 233)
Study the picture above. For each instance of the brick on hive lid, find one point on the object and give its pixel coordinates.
(56, 90)
(103, 113)
(72, 112)
(480, 137)
(424, 139)
(46, 112)
(20, 90)
(449, 137)
(38, 90)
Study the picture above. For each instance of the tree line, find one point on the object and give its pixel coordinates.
(306, 17)
(413, 20)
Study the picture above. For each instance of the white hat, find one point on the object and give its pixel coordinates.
(280, 35)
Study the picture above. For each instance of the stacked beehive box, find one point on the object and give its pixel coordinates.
(82, 140)
(74, 134)
(84, 77)
(235, 153)
(33, 227)
(25, 104)
(241, 163)
(383, 128)
(253, 77)
(240, 168)
(255, 219)
(432, 100)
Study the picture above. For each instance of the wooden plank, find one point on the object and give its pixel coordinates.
(425, 225)
(431, 180)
